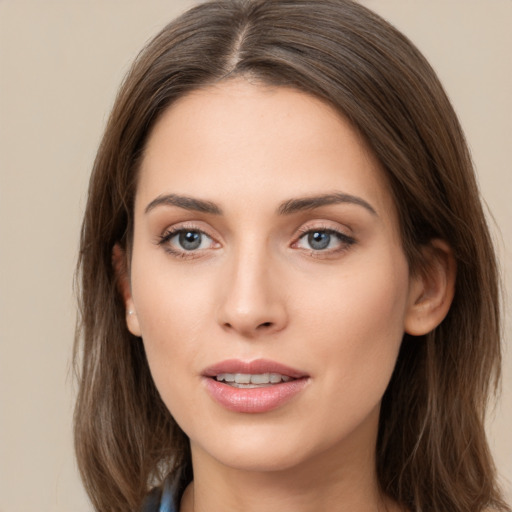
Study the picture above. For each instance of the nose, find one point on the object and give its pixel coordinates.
(253, 302)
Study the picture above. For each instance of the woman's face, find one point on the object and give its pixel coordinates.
(266, 252)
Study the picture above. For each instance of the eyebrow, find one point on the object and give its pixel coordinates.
(185, 202)
(286, 208)
(310, 203)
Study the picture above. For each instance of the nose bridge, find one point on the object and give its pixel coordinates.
(251, 302)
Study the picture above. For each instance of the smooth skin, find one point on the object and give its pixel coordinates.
(231, 260)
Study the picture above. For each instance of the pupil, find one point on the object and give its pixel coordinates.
(319, 240)
(190, 240)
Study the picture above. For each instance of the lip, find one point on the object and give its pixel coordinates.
(253, 400)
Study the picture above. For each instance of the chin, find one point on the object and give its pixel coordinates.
(258, 460)
(264, 448)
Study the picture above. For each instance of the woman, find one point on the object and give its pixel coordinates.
(289, 295)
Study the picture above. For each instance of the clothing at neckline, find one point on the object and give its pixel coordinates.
(160, 500)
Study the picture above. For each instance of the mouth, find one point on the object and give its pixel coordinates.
(260, 372)
(251, 381)
(253, 387)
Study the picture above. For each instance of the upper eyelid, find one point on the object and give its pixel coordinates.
(325, 225)
(184, 226)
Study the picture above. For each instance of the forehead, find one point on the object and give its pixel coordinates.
(244, 140)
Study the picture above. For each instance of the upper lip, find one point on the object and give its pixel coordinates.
(258, 366)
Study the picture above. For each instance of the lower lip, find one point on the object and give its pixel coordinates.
(254, 400)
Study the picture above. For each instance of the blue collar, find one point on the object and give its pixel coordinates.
(167, 501)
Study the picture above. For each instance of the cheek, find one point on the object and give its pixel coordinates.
(359, 323)
(173, 310)
(368, 292)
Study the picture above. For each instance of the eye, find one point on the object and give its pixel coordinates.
(184, 240)
(326, 240)
(189, 240)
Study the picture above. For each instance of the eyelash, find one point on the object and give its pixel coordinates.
(164, 239)
(344, 240)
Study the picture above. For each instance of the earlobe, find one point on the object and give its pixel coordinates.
(123, 285)
(432, 289)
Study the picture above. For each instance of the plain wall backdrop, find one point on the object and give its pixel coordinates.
(61, 62)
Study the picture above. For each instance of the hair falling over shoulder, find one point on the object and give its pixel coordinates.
(432, 453)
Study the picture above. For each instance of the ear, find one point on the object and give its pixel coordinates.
(432, 289)
(123, 285)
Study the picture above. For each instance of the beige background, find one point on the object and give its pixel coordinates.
(60, 64)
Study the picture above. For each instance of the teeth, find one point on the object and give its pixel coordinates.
(252, 380)
(263, 378)
(242, 378)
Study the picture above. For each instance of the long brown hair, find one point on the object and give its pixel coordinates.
(432, 452)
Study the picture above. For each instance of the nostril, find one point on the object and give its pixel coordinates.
(265, 324)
